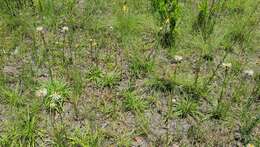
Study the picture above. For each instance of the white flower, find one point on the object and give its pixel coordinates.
(65, 29)
(249, 72)
(56, 96)
(41, 93)
(227, 65)
(39, 29)
(178, 58)
(174, 100)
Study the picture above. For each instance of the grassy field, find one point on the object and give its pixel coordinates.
(120, 73)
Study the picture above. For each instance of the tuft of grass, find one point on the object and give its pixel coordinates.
(139, 66)
(133, 103)
(110, 80)
(186, 107)
(88, 138)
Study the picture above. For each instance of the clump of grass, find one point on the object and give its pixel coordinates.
(185, 86)
(140, 67)
(220, 111)
(78, 88)
(134, 103)
(94, 74)
(24, 131)
(88, 137)
(13, 7)
(186, 107)
(161, 84)
(110, 79)
(206, 19)
(11, 96)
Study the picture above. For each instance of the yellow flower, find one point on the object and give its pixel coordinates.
(125, 8)
(250, 145)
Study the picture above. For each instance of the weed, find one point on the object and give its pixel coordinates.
(134, 103)
(57, 93)
(220, 110)
(88, 138)
(140, 66)
(186, 107)
(169, 13)
(109, 80)
(72, 71)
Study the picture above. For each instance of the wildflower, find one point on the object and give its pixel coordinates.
(178, 58)
(56, 96)
(227, 65)
(39, 29)
(249, 73)
(125, 8)
(41, 93)
(250, 145)
(65, 29)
